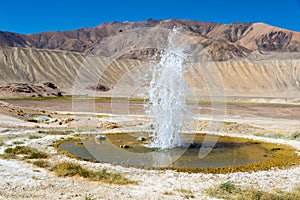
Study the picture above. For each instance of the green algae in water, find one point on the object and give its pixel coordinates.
(226, 155)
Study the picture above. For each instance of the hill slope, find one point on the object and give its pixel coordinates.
(78, 73)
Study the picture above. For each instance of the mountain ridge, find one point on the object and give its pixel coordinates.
(251, 59)
(222, 41)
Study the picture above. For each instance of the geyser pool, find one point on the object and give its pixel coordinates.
(228, 154)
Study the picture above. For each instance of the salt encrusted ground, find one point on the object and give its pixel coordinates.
(20, 180)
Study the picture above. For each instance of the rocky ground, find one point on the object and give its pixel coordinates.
(22, 180)
(46, 89)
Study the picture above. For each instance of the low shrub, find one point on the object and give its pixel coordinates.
(69, 169)
(29, 152)
(41, 163)
(18, 142)
(228, 187)
(56, 132)
(295, 135)
(229, 191)
(31, 137)
(19, 150)
(37, 155)
(187, 194)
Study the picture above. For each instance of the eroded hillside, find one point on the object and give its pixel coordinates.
(77, 73)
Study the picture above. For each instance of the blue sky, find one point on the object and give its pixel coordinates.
(32, 16)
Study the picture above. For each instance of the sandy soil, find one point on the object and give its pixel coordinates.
(21, 180)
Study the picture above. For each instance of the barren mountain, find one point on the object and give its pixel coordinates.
(222, 41)
(243, 59)
(274, 75)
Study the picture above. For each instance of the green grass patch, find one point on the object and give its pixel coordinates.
(270, 135)
(89, 198)
(228, 187)
(187, 194)
(69, 169)
(36, 155)
(65, 169)
(8, 156)
(19, 150)
(29, 152)
(295, 135)
(56, 132)
(32, 137)
(230, 123)
(230, 191)
(1, 143)
(108, 99)
(18, 142)
(38, 98)
(42, 164)
(168, 193)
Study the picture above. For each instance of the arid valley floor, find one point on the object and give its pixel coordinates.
(20, 179)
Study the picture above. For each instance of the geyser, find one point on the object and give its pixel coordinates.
(167, 96)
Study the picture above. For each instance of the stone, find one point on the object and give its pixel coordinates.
(124, 146)
(100, 137)
(141, 138)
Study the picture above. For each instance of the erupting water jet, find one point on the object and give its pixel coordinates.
(167, 96)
